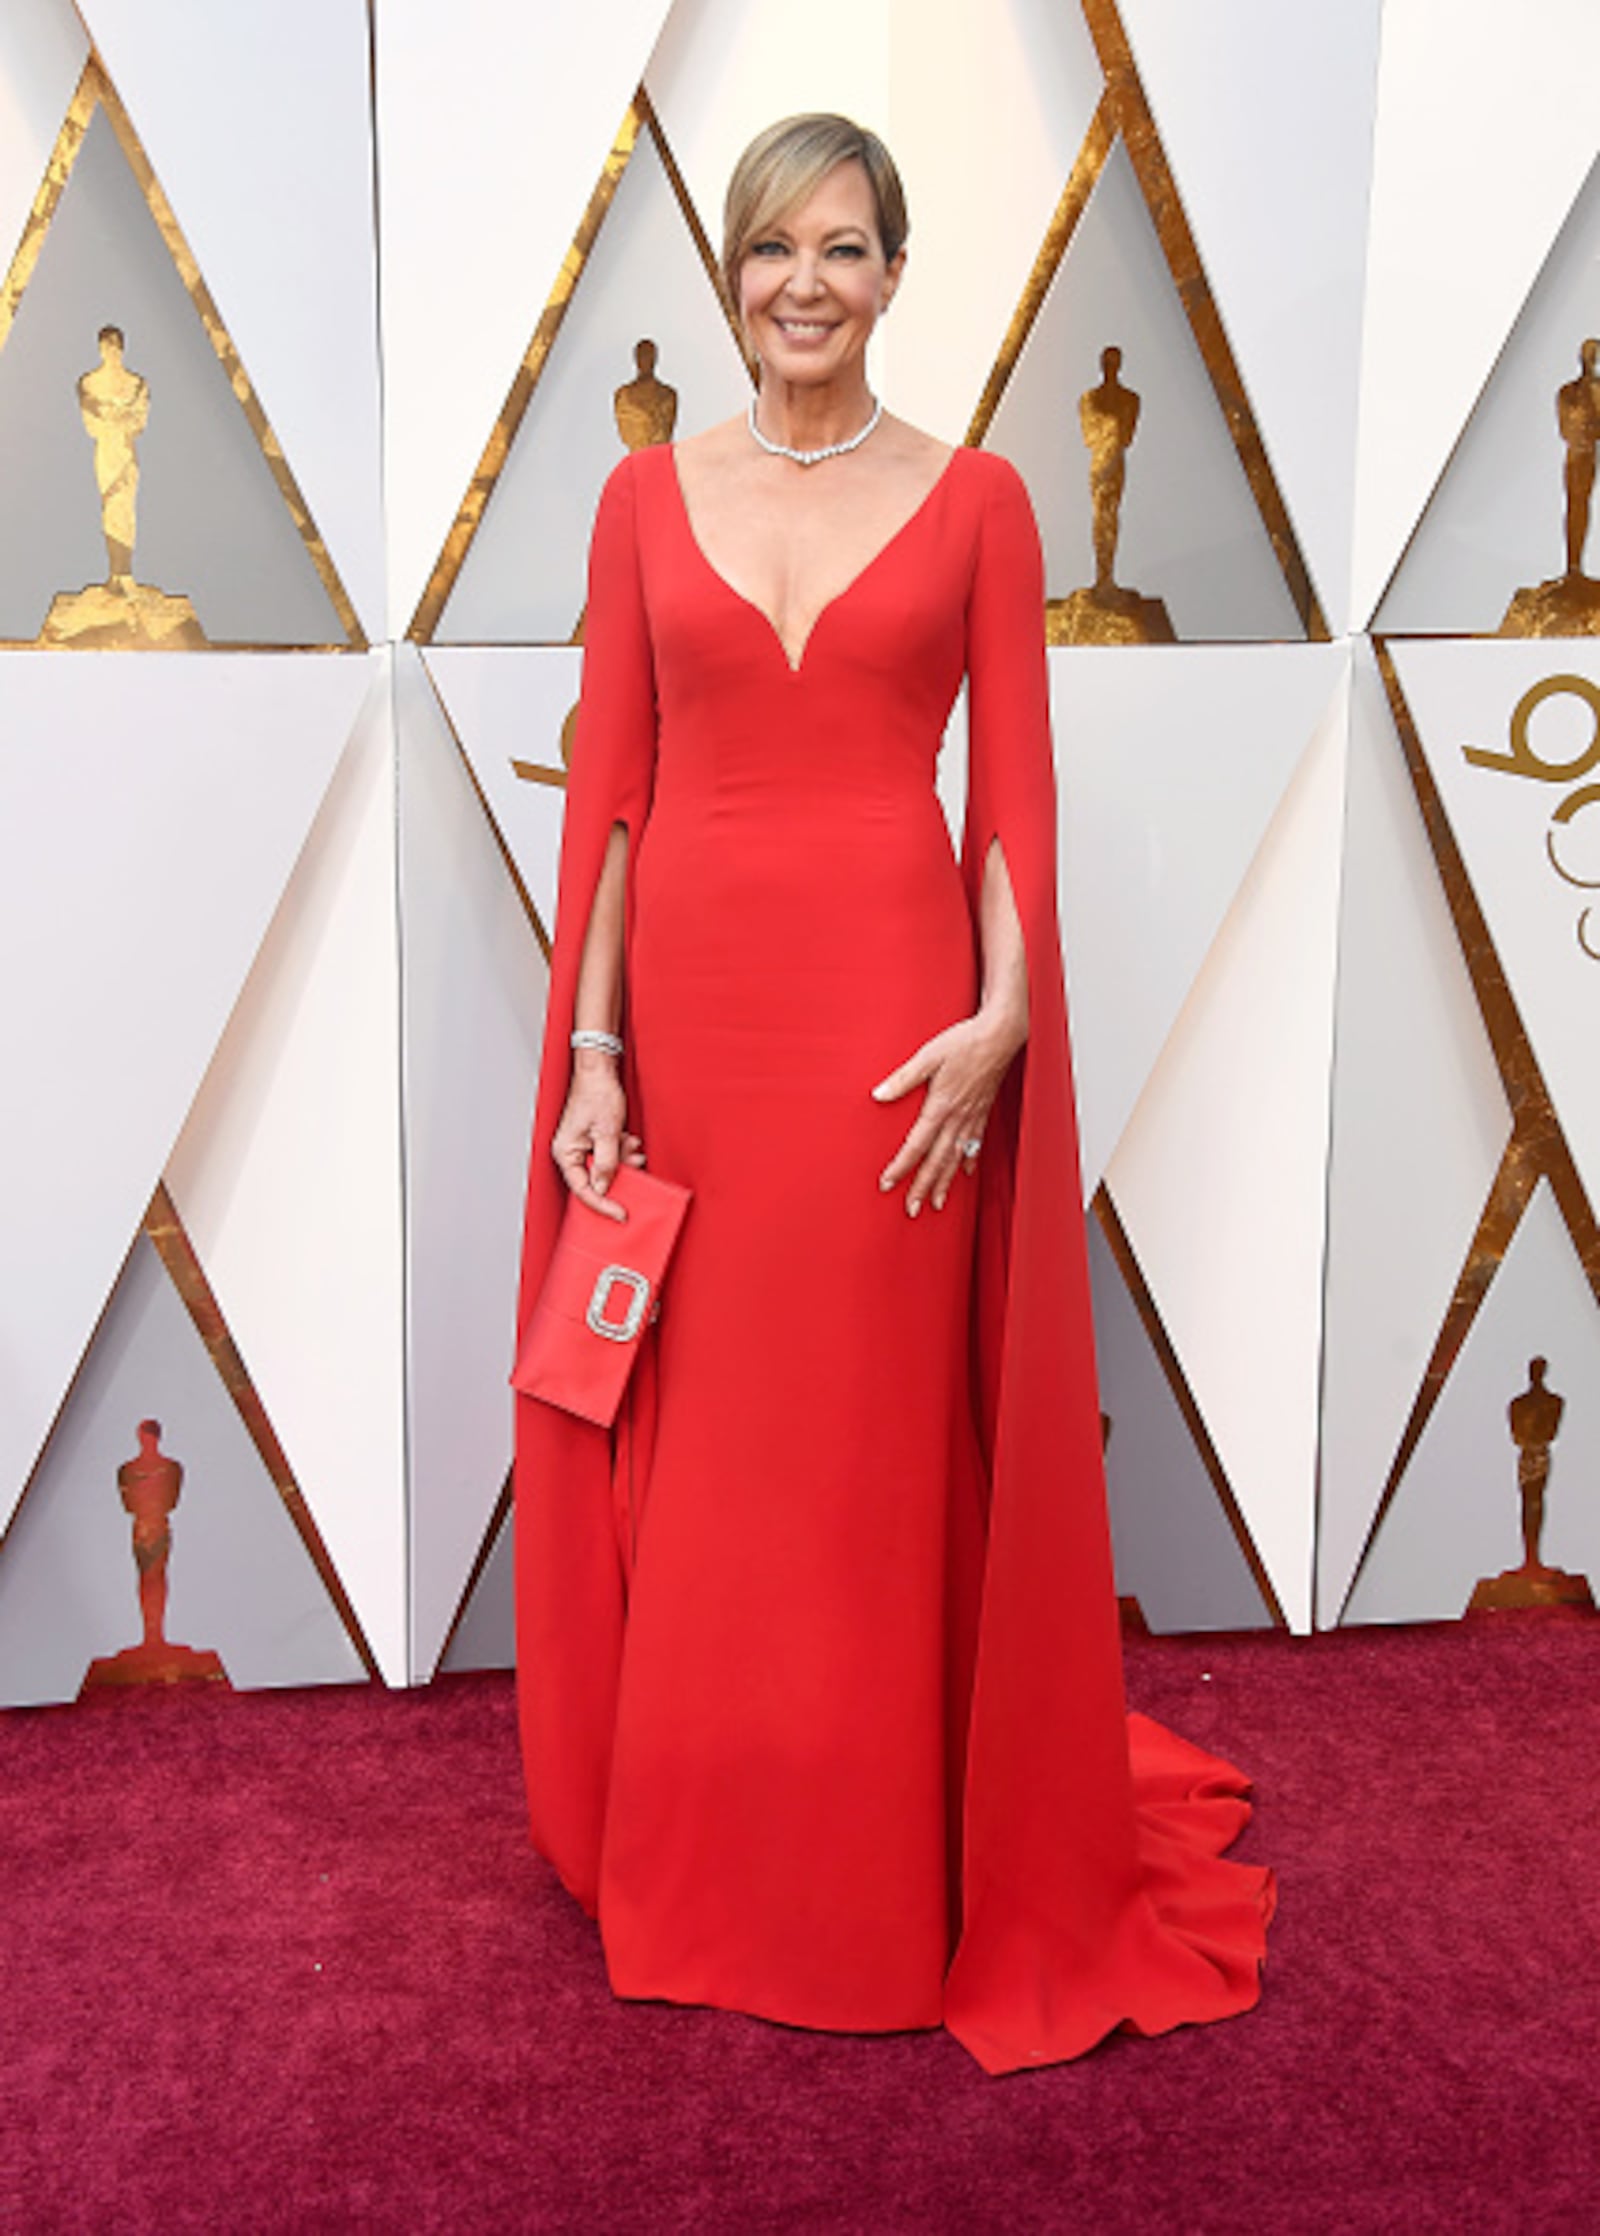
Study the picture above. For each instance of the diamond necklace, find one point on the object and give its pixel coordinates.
(828, 450)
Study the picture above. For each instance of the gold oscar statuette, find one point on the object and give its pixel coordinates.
(149, 1485)
(119, 614)
(1569, 604)
(1107, 613)
(1534, 1415)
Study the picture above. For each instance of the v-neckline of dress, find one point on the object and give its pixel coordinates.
(796, 668)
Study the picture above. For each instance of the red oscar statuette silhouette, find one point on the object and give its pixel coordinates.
(1534, 1415)
(150, 1484)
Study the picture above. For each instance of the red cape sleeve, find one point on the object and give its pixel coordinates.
(570, 1589)
(1090, 1899)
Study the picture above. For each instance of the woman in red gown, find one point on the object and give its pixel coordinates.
(819, 1665)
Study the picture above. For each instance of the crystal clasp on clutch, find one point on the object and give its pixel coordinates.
(625, 1329)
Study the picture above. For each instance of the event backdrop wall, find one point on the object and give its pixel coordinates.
(320, 327)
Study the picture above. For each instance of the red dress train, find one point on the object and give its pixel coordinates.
(819, 1665)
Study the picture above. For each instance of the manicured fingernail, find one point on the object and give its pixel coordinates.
(913, 1208)
(880, 1090)
(884, 1182)
(938, 1203)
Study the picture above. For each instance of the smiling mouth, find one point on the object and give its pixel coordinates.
(803, 329)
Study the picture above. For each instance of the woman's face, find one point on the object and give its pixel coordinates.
(813, 286)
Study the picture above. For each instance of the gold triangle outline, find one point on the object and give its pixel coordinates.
(1538, 1147)
(640, 117)
(480, 1561)
(1104, 1211)
(96, 90)
(1124, 113)
(165, 1231)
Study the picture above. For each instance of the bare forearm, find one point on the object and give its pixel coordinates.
(1004, 1006)
(597, 1005)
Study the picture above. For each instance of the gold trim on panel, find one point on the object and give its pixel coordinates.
(1538, 1146)
(485, 1552)
(447, 567)
(1082, 180)
(187, 1275)
(95, 90)
(1105, 1211)
(546, 776)
(1131, 113)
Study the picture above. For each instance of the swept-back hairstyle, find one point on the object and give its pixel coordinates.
(783, 165)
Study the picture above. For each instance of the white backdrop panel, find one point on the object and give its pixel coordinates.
(988, 107)
(257, 120)
(42, 53)
(1172, 761)
(1485, 132)
(1266, 116)
(1456, 1516)
(1190, 532)
(156, 806)
(1496, 522)
(494, 119)
(508, 704)
(1175, 1549)
(1220, 1174)
(1464, 695)
(287, 1177)
(1419, 1123)
(474, 1016)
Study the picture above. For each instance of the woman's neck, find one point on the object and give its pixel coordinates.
(811, 416)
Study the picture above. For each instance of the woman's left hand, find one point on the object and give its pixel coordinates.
(962, 1068)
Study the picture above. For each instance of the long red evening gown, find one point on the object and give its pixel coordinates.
(819, 1664)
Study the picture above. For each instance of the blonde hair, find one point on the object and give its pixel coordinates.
(785, 164)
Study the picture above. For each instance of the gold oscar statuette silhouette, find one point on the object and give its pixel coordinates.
(646, 411)
(1535, 1418)
(119, 614)
(1569, 605)
(1106, 613)
(149, 1485)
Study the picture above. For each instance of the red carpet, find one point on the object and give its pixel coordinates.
(286, 1962)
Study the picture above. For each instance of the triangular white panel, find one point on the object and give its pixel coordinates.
(212, 522)
(1190, 531)
(493, 123)
(1466, 695)
(1175, 1550)
(42, 54)
(1014, 89)
(258, 123)
(486, 1636)
(1172, 762)
(1419, 1125)
(287, 1178)
(1456, 1517)
(508, 705)
(723, 70)
(1265, 113)
(523, 579)
(1485, 134)
(154, 808)
(1496, 523)
(474, 984)
(241, 1583)
(1220, 1174)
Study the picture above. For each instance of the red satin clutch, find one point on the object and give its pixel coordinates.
(602, 1291)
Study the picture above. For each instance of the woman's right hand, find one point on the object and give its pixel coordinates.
(592, 1138)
